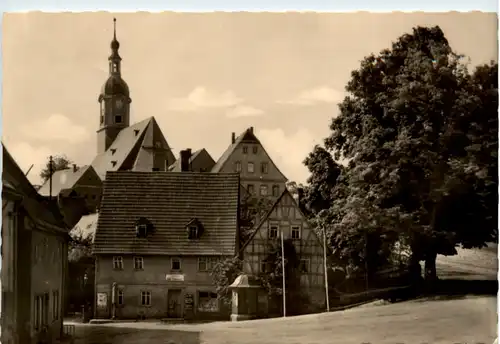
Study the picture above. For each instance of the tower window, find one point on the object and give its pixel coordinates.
(115, 67)
(118, 119)
(102, 119)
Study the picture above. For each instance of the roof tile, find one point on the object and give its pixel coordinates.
(169, 200)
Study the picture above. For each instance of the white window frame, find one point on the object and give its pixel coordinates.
(193, 228)
(210, 293)
(264, 190)
(121, 297)
(277, 189)
(252, 169)
(146, 298)
(273, 229)
(237, 166)
(264, 168)
(175, 259)
(118, 263)
(209, 262)
(138, 263)
(295, 229)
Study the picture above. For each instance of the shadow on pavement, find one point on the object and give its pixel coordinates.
(119, 335)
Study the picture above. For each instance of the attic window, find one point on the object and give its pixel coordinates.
(141, 231)
(136, 132)
(113, 163)
(193, 232)
(194, 229)
(113, 151)
(142, 227)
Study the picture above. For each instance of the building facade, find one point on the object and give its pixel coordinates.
(158, 236)
(248, 157)
(286, 219)
(34, 260)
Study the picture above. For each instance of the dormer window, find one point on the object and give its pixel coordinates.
(194, 229)
(136, 132)
(193, 232)
(141, 230)
(113, 151)
(113, 163)
(142, 227)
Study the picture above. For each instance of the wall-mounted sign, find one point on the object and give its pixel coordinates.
(175, 278)
(102, 300)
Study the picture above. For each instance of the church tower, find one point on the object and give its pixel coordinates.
(114, 101)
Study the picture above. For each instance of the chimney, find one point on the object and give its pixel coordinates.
(233, 138)
(74, 168)
(300, 195)
(185, 155)
(250, 129)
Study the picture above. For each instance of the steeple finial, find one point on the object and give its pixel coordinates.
(115, 45)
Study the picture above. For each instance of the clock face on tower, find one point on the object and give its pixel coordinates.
(119, 104)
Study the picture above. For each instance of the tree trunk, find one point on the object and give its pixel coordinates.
(430, 267)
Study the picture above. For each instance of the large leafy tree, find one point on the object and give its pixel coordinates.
(325, 172)
(421, 136)
(59, 162)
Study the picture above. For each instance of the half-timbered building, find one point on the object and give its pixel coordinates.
(285, 224)
(247, 156)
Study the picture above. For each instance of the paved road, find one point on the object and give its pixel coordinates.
(99, 334)
(459, 320)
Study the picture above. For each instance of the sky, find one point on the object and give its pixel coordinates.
(202, 76)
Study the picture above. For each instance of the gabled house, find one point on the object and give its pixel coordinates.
(199, 161)
(82, 182)
(247, 156)
(158, 236)
(300, 240)
(34, 259)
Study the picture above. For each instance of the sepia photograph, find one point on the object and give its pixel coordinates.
(240, 178)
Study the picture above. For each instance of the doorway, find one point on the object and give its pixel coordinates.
(174, 303)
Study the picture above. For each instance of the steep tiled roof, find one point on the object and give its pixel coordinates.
(131, 149)
(176, 166)
(285, 193)
(246, 136)
(39, 209)
(62, 180)
(168, 200)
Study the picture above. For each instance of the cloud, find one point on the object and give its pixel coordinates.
(317, 95)
(55, 128)
(288, 151)
(243, 111)
(26, 155)
(201, 98)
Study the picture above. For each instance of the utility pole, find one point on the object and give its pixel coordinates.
(50, 177)
(283, 271)
(326, 271)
